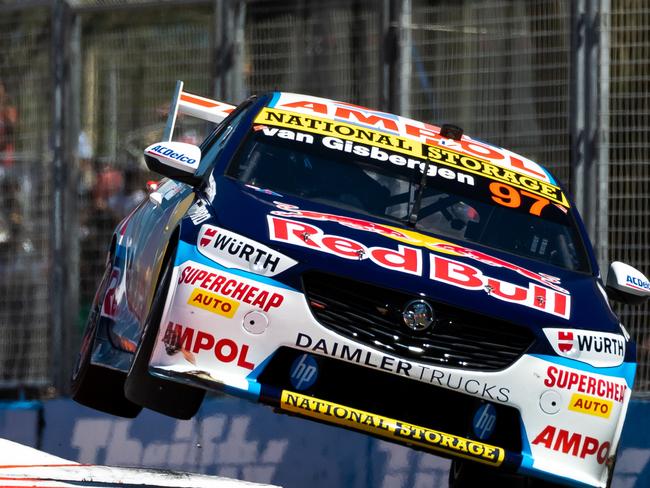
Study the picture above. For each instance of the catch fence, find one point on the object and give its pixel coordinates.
(564, 83)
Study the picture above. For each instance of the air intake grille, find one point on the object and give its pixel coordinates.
(372, 315)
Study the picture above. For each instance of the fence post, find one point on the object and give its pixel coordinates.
(584, 115)
(229, 20)
(63, 284)
(405, 58)
(577, 111)
(602, 232)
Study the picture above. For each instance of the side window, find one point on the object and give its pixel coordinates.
(211, 152)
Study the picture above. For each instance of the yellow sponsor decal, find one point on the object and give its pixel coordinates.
(328, 127)
(495, 172)
(434, 154)
(391, 429)
(417, 239)
(213, 303)
(591, 405)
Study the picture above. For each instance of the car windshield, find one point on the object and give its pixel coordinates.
(385, 184)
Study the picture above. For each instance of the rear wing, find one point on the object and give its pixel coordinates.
(195, 106)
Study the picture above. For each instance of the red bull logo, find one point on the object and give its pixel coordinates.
(418, 239)
(408, 259)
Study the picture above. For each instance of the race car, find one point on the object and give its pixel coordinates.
(366, 270)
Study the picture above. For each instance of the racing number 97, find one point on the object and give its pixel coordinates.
(511, 197)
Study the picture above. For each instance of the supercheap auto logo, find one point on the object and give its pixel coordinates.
(391, 429)
(590, 405)
(601, 387)
(435, 154)
(207, 283)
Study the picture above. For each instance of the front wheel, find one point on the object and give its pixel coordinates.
(163, 396)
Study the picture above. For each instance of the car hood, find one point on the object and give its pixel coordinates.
(459, 273)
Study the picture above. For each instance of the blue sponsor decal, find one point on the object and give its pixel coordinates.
(304, 372)
(637, 283)
(170, 153)
(485, 420)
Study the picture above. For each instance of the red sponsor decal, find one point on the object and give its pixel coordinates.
(348, 112)
(358, 224)
(393, 233)
(570, 380)
(404, 259)
(551, 281)
(564, 341)
(230, 287)
(422, 132)
(207, 236)
(204, 102)
(188, 340)
(409, 260)
(465, 276)
(572, 443)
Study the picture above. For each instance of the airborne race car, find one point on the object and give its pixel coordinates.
(369, 271)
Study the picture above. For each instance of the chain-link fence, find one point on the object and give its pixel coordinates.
(629, 157)
(497, 68)
(25, 198)
(129, 62)
(504, 70)
(329, 49)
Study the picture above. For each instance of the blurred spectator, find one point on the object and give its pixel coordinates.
(98, 222)
(8, 119)
(86, 167)
(10, 217)
(113, 195)
(134, 192)
(109, 187)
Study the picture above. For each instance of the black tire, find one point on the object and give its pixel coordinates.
(163, 396)
(95, 386)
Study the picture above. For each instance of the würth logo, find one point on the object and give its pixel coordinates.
(207, 237)
(236, 251)
(600, 349)
(565, 341)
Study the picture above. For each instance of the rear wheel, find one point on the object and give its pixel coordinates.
(95, 386)
(163, 396)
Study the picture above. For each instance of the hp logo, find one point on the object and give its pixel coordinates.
(485, 419)
(304, 372)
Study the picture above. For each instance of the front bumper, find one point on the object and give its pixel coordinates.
(232, 330)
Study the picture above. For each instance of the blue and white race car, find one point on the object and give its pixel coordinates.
(373, 272)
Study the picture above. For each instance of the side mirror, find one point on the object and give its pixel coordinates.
(627, 284)
(176, 160)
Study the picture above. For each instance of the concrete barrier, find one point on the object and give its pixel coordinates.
(25, 466)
